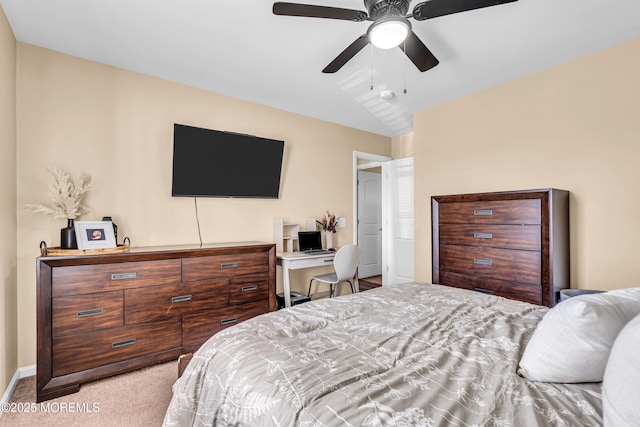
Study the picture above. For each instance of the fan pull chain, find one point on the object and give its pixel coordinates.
(404, 67)
(371, 70)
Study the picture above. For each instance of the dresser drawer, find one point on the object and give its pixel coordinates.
(86, 312)
(505, 264)
(252, 287)
(86, 279)
(199, 327)
(522, 237)
(526, 211)
(161, 302)
(213, 267)
(518, 291)
(78, 352)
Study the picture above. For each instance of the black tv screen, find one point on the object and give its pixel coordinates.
(210, 163)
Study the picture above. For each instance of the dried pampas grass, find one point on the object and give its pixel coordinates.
(66, 194)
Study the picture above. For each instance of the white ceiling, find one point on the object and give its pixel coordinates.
(239, 48)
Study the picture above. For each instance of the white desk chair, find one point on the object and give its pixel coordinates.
(345, 264)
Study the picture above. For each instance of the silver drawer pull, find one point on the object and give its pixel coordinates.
(228, 321)
(328, 260)
(483, 235)
(483, 261)
(249, 288)
(123, 276)
(481, 212)
(123, 343)
(181, 298)
(229, 265)
(484, 291)
(92, 312)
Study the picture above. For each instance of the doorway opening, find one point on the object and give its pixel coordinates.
(383, 212)
(367, 214)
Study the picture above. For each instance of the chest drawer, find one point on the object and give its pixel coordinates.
(522, 237)
(526, 211)
(518, 291)
(199, 327)
(86, 279)
(252, 287)
(161, 302)
(79, 352)
(505, 264)
(81, 313)
(217, 266)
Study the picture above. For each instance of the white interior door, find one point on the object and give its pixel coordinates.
(369, 223)
(397, 216)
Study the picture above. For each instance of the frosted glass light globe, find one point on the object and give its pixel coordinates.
(389, 33)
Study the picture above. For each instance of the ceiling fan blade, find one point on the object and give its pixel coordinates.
(347, 54)
(434, 8)
(312, 11)
(418, 53)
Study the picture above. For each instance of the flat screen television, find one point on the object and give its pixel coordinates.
(211, 163)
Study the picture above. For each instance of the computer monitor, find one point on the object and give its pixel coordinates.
(309, 241)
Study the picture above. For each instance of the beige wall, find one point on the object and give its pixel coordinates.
(574, 127)
(118, 127)
(8, 275)
(403, 146)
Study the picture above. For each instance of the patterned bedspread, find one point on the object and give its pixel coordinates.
(404, 355)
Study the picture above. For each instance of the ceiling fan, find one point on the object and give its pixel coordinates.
(390, 27)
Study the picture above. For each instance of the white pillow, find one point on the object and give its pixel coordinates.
(621, 384)
(572, 341)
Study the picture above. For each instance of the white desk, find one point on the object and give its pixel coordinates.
(297, 260)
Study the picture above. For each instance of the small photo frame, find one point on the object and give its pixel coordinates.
(95, 235)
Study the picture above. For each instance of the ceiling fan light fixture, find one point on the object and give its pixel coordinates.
(389, 32)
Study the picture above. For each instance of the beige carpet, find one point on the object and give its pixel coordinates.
(138, 398)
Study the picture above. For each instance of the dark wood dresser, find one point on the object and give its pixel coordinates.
(513, 244)
(101, 315)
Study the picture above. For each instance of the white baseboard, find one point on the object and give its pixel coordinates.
(25, 371)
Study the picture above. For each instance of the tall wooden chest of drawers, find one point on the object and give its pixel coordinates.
(101, 315)
(513, 244)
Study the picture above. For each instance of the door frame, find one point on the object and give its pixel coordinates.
(373, 161)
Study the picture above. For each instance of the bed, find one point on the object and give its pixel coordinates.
(405, 355)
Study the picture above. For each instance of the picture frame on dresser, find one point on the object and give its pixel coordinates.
(95, 234)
